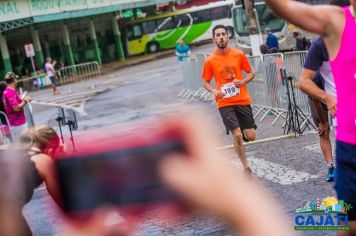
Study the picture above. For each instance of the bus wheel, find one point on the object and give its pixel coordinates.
(152, 47)
(230, 32)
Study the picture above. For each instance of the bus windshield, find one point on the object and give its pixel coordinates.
(266, 17)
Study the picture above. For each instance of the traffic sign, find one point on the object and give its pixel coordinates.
(30, 52)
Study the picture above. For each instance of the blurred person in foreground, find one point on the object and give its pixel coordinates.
(13, 173)
(337, 27)
(197, 176)
(41, 144)
(14, 105)
(225, 66)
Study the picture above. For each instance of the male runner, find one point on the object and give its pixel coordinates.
(337, 26)
(317, 71)
(226, 64)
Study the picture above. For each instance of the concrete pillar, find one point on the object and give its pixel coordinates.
(19, 56)
(47, 49)
(5, 53)
(95, 41)
(37, 46)
(118, 44)
(67, 46)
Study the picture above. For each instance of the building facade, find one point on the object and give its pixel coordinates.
(70, 31)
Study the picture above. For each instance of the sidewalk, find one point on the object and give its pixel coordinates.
(112, 66)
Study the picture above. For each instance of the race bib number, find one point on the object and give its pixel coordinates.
(230, 90)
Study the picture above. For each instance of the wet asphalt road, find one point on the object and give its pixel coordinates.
(291, 168)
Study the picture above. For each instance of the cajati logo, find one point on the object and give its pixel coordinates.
(327, 214)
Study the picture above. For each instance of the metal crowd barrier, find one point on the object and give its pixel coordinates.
(268, 92)
(88, 72)
(6, 129)
(266, 89)
(192, 69)
(35, 82)
(85, 72)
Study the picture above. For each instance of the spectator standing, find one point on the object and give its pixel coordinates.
(14, 105)
(182, 50)
(51, 73)
(272, 40)
(301, 43)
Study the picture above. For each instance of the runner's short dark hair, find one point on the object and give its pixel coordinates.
(219, 27)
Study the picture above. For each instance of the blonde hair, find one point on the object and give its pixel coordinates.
(42, 137)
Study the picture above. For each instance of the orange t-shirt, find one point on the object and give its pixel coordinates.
(223, 68)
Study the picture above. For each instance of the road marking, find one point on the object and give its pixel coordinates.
(258, 141)
(78, 108)
(275, 173)
(316, 148)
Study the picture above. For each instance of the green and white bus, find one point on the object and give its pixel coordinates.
(192, 25)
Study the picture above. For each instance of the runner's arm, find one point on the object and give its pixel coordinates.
(212, 90)
(250, 76)
(307, 85)
(316, 19)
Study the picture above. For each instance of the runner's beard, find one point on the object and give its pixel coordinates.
(222, 45)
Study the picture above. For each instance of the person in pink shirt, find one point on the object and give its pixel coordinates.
(337, 27)
(14, 105)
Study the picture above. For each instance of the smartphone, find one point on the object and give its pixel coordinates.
(125, 176)
(24, 94)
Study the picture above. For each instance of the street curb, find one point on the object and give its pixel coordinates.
(136, 61)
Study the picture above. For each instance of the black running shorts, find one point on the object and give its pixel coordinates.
(315, 116)
(237, 116)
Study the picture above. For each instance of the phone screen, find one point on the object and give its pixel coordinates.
(121, 177)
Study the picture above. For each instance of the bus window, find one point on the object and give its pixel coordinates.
(266, 17)
(201, 16)
(134, 32)
(220, 13)
(149, 27)
(165, 24)
(240, 21)
(182, 20)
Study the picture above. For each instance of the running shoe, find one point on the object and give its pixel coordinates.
(331, 174)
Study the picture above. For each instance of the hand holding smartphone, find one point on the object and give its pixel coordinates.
(24, 94)
(121, 173)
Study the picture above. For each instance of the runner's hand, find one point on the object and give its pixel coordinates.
(323, 128)
(331, 104)
(239, 83)
(218, 93)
